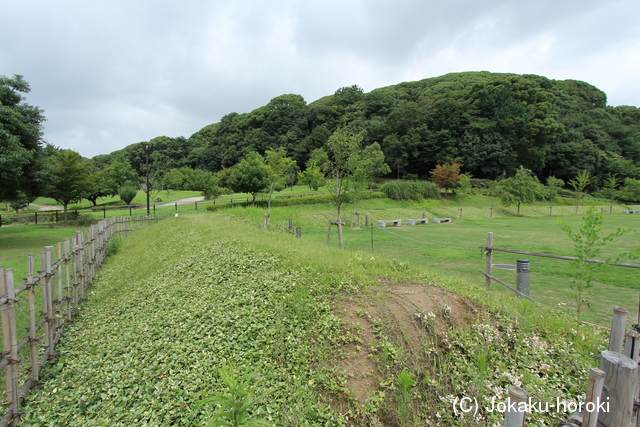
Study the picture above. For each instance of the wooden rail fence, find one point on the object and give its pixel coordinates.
(61, 284)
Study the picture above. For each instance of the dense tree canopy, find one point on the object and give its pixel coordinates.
(22, 170)
(492, 123)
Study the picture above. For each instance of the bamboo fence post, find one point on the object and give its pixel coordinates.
(618, 327)
(33, 340)
(49, 296)
(13, 343)
(515, 415)
(68, 288)
(60, 278)
(594, 396)
(620, 384)
(45, 306)
(81, 268)
(75, 269)
(6, 335)
(489, 258)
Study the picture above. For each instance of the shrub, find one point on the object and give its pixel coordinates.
(127, 193)
(411, 190)
(294, 201)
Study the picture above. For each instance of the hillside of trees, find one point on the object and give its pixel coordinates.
(491, 123)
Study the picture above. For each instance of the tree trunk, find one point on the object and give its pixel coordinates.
(64, 217)
(340, 241)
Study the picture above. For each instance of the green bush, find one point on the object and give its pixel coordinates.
(294, 201)
(411, 190)
(127, 193)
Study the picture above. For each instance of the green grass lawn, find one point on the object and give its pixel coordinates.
(422, 245)
(534, 230)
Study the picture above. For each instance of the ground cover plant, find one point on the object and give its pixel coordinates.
(167, 314)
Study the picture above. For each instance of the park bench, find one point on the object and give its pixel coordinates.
(418, 221)
(383, 223)
(439, 220)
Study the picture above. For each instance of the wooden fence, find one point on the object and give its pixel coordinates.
(53, 295)
(612, 391)
(489, 249)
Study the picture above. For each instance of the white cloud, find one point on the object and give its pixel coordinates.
(112, 73)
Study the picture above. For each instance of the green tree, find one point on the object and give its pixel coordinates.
(251, 175)
(588, 241)
(343, 149)
(464, 188)
(610, 184)
(630, 190)
(524, 187)
(118, 173)
(372, 163)
(279, 166)
(97, 185)
(70, 178)
(580, 183)
(553, 187)
(23, 173)
(312, 177)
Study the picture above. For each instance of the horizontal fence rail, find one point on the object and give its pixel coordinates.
(53, 296)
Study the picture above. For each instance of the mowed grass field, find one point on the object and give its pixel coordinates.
(453, 249)
(449, 249)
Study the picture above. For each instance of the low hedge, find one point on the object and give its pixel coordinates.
(411, 190)
(308, 200)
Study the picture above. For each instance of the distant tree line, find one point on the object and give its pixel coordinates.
(491, 125)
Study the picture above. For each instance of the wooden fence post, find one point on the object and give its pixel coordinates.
(48, 284)
(620, 384)
(59, 301)
(68, 287)
(489, 258)
(45, 306)
(515, 415)
(631, 342)
(594, 396)
(329, 234)
(33, 341)
(618, 328)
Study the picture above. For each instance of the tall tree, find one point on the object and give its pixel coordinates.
(343, 149)
(580, 183)
(70, 178)
(251, 175)
(279, 167)
(553, 187)
(22, 172)
(372, 163)
(522, 188)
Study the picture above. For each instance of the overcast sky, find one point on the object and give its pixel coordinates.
(110, 73)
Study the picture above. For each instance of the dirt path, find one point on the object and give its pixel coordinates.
(186, 201)
(46, 207)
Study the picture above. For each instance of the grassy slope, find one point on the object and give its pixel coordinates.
(184, 295)
(550, 279)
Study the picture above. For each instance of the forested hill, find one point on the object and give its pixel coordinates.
(492, 123)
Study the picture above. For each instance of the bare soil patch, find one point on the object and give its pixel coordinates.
(393, 316)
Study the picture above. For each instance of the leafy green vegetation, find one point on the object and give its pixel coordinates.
(166, 314)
